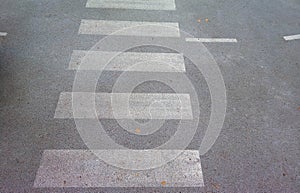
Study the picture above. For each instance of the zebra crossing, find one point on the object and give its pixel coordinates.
(81, 168)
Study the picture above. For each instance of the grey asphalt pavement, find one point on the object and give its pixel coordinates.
(258, 149)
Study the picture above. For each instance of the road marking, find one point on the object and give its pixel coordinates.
(81, 168)
(3, 33)
(211, 40)
(88, 105)
(127, 61)
(293, 37)
(153, 29)
(133, 4)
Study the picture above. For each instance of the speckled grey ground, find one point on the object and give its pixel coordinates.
(258, 149)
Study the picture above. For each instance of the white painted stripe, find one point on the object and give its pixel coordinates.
(81, 168)
(129, 28)
(133, 4)
(211, 40)
(115, 105)
(127, 61)
(3, 33)
(293, 37)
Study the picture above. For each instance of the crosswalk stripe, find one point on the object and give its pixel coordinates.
(88, 105)
(127, 61)
(153, 29)
(212, 40)
(133, 4)
(81, 168)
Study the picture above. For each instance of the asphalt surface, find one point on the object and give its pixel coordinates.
(258, 149)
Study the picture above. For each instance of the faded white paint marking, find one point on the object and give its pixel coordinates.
(129, 28)
(211, 40)
(81, 168)
(293, 37)
(124, 105)
(133, 4)
(3, 33)
(127, 61)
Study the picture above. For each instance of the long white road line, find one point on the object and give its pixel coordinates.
(127, 61)
(88, 105)
(129, 28)
(3, 33)
(292, 37)
(212, 40)
(133, 4)
(81, 168)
